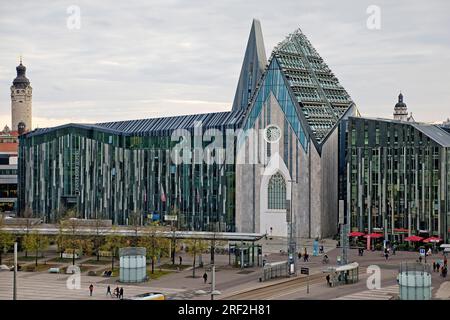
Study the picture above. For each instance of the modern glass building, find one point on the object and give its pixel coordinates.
(280, 142)
(398, 178)
(111, 170)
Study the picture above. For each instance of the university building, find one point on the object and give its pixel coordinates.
(398, 176)
(227, 171)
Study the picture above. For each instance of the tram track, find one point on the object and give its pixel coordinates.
(279, 290)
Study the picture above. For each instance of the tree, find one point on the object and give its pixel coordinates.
(6, 240)
(156, 246)
(174, 213)
(135, 220)
(194, 247)
(97, 242)
(35, 242)
(26, 222)
(69, 231)
(112, 243)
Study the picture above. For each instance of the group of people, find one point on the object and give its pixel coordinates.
(118, 292)
(305, 256)
(442, 269)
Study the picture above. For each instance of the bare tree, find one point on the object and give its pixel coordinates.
(135, 220)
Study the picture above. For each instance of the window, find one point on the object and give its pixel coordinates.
(277, 192)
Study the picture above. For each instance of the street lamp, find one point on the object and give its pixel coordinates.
(15, 273)
(291, 242)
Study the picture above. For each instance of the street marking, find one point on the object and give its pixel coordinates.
(377, 294)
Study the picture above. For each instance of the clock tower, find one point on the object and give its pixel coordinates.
(21, 94)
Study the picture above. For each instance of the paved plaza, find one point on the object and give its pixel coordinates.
(179, 284)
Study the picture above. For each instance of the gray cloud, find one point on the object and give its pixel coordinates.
(138, 59)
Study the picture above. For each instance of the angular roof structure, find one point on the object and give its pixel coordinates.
(252, 67)
(158, 126)
(320, 96)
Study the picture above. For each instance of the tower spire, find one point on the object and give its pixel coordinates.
(252, 67)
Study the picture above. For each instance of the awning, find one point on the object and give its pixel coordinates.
(374, 235)
(356, 234)
(414, 239)
(347, 267)
(432, 239)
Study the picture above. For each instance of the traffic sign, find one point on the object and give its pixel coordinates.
(422, 251)
(304, 270)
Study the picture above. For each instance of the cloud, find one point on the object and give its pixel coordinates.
(138, 59)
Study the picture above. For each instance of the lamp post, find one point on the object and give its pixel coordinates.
(291, 242)
(15, 273)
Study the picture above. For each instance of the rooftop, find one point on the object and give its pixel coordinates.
(432, 131)
(321, 97)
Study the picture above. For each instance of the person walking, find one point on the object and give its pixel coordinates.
(386, 255)
(434, 266)
(181, 260)
(91, 289)
(438, 266)
(420, 259)
(117, 292)
(205, 277)
(108, 291)
(328, 280)
(121, 293)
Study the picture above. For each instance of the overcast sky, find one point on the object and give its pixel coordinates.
(139, 59)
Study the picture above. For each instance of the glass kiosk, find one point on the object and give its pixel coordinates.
(245, 255)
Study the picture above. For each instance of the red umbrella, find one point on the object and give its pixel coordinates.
(374, 235)
(356, 234)
(400, 230)
(432, 239)
(414, 238)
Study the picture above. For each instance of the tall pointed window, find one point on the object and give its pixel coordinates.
(277, 192)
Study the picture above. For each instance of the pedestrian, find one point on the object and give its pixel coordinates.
(445, 260)
(299, 255)
(420, 259)
(117, 292)
(328, 280)
(91, 289)
(386, 255)
(205, 277)
(394, 248)
(434, 266)
(181, 260)
(121, 293)
(438, 266)
(108, 291)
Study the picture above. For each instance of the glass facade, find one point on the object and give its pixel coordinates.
(398, 178)
(110, 175)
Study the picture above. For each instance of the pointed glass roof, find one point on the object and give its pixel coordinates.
(321, 98)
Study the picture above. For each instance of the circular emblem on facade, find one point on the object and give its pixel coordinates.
(272, 133)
